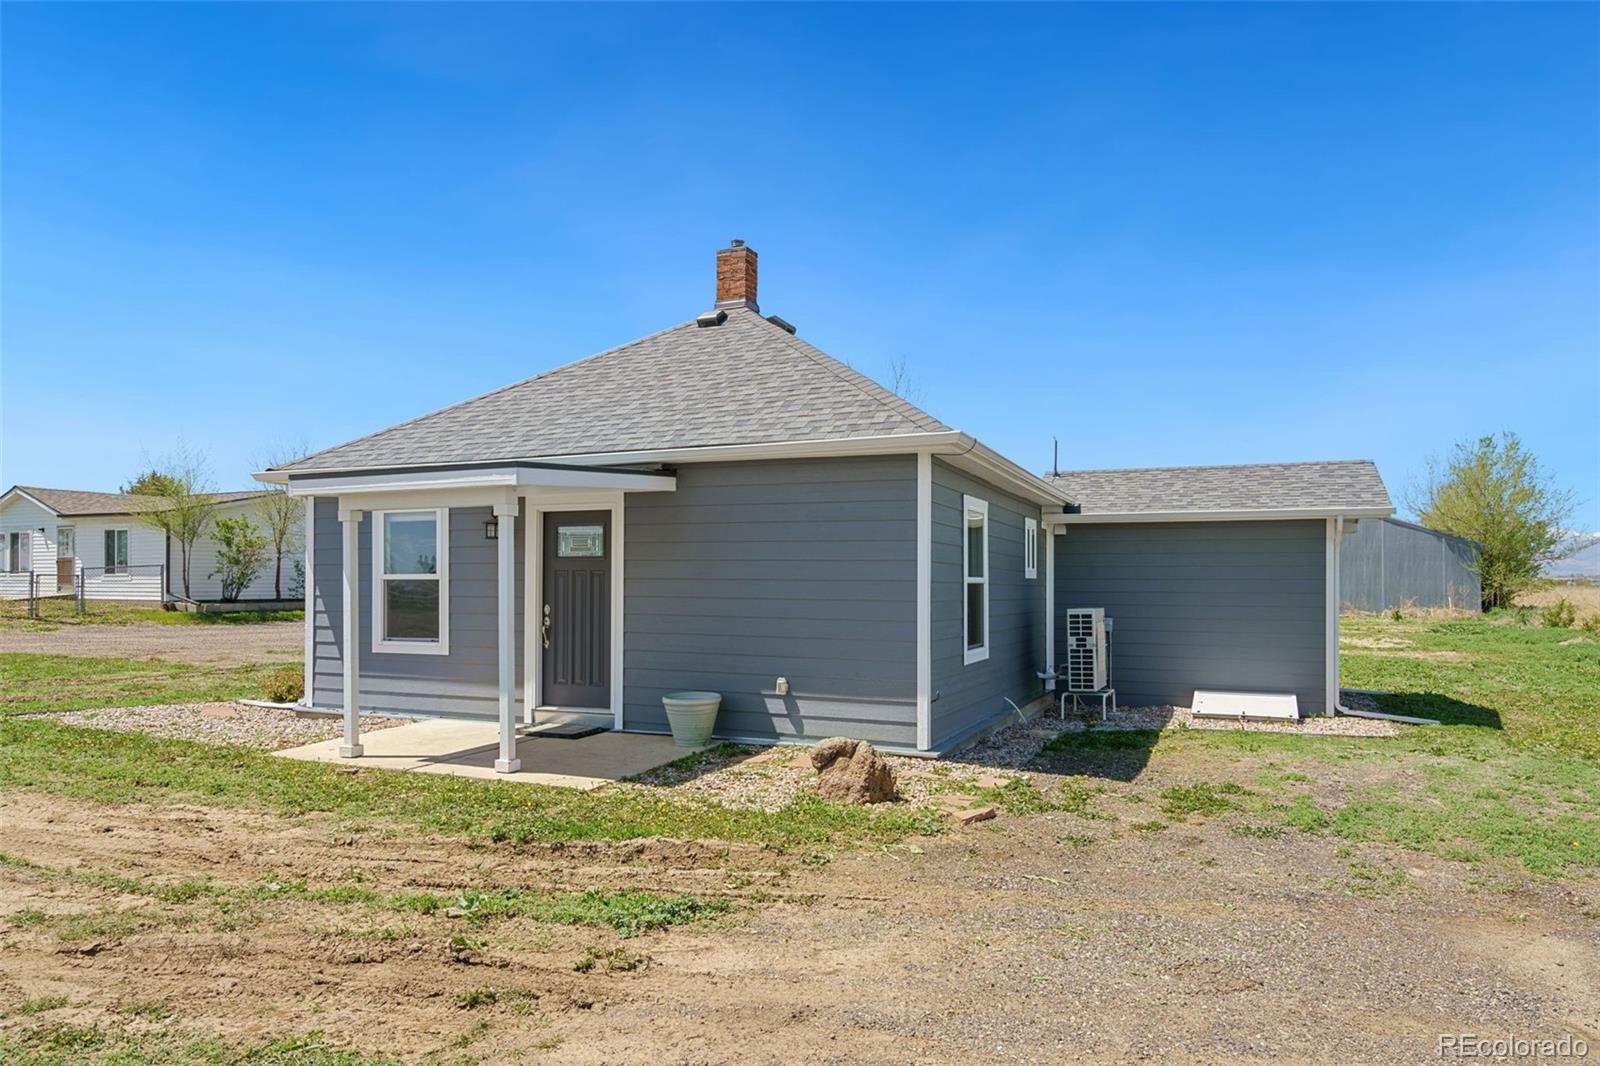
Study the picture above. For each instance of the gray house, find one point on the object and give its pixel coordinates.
(722, 506)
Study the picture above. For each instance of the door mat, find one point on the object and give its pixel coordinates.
(563, 731)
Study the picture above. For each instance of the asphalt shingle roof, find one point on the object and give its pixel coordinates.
(1349, 484)
(68, 502)
(745, 381)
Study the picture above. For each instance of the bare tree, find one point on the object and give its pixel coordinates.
(900, 381)
(183, 504)
(282, 515)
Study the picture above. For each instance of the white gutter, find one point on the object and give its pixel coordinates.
(482, 478)
(963, 450)
(1265, 514)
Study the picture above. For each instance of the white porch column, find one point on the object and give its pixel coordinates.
(506, 601)
(924, 600)
(350, 527)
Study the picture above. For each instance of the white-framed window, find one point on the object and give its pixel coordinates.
(1030, 548)
(116, 551)
(18, 552)
(411, 581)
(975, 571)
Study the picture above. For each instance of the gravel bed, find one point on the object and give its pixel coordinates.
(265, 728)
(772, 778)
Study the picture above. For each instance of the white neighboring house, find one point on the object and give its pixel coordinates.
(59, 534)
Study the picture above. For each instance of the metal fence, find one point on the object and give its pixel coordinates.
(27, 589)
(1386, 564)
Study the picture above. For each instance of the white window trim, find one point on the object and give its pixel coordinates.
(1030, 548)
(441, 533)
(108, 568)
(971, 507)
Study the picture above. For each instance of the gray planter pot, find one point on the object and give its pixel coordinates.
(692, 716)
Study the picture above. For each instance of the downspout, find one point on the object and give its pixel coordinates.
(1335, 537)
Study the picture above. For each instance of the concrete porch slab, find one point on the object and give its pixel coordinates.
(468, 749)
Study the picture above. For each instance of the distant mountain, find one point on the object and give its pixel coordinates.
(1584, 564)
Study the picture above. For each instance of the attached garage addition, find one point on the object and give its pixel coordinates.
(1221, 577)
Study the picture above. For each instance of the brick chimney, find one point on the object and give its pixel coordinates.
(736, 276)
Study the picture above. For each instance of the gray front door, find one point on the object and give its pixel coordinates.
(575, 628)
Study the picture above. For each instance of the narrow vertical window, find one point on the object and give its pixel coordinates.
(116, 551)
(975, 566)
(410, 588)
(1030, 548)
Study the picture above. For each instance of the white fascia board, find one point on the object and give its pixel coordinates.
(980, 459)
(962, 448)
(1260, 515)
(30, 497)
(510, 477)
(907, 443)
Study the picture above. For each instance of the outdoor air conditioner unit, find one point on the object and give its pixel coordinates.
(1087, 668)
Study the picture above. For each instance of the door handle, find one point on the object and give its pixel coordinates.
(544, 628)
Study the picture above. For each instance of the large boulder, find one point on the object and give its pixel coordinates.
(852, 771)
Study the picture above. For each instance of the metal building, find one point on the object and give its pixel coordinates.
(1386, 564)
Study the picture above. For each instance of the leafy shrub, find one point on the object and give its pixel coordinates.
(285, 684)
(241, 554)
(1591, 625)
(1559, 615)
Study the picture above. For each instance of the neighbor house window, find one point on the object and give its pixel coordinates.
(411, 581)
(116, 551)
(975, 566)
(1030, 548)
(19, 552)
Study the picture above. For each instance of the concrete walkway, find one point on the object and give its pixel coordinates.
(468, 749)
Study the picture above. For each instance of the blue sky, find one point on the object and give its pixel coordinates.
(1168, 235)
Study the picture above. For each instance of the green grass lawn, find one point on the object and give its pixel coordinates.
(1537, 686)
(103, 765)
(57, 613)
(31, 683)
(1512, 775)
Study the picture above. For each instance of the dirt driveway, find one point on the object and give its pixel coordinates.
(232, 644)
(1047, 937)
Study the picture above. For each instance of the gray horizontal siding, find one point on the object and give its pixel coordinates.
(1236, 605)
(464, 682)
(967, 697)
(803, 569)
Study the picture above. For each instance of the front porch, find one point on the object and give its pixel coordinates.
(473, 749)
(490, 592)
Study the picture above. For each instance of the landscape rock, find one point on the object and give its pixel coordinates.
(852, 771)
(968, 815)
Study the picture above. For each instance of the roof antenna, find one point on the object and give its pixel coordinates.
(1055, 462)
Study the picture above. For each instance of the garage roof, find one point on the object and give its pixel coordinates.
(1268, 490)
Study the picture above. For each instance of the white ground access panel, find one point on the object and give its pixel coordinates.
(1214, 704)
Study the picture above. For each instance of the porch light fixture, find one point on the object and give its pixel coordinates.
(491, 529)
